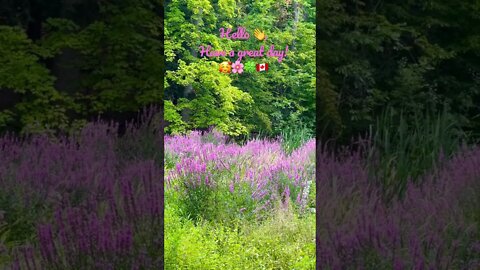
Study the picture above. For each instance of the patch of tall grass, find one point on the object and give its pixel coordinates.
(294, 137)
(404, 147)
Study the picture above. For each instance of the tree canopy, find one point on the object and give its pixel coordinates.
(65, 62)
(198, 95)
(410, 55)
(62, 65)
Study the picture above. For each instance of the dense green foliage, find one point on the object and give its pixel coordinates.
(411, 55)
(62, 62)
(61, 65)
(22, 75)
(284, 241)
(67, 62)
(263, 102)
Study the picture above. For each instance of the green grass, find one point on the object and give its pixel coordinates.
(282, 241)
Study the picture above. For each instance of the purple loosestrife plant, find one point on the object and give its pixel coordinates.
(228, 177)
(72, 203)
(427, 229)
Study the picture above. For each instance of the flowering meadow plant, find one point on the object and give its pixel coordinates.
(78, 203)
(431, 227)
(260, 166)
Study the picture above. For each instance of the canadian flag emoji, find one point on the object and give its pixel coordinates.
(262, 67)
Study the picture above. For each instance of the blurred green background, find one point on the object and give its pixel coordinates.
(407, 58)
(64, 63)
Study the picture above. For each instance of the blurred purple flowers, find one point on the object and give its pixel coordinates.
(97, 210)
(427, 229)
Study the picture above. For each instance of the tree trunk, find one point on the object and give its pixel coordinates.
(296, 18)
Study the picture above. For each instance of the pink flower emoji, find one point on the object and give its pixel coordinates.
(237, 67)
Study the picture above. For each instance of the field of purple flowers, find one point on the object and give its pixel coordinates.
(260, 167)
(214, 185)
(435, 224)
(91, 201)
